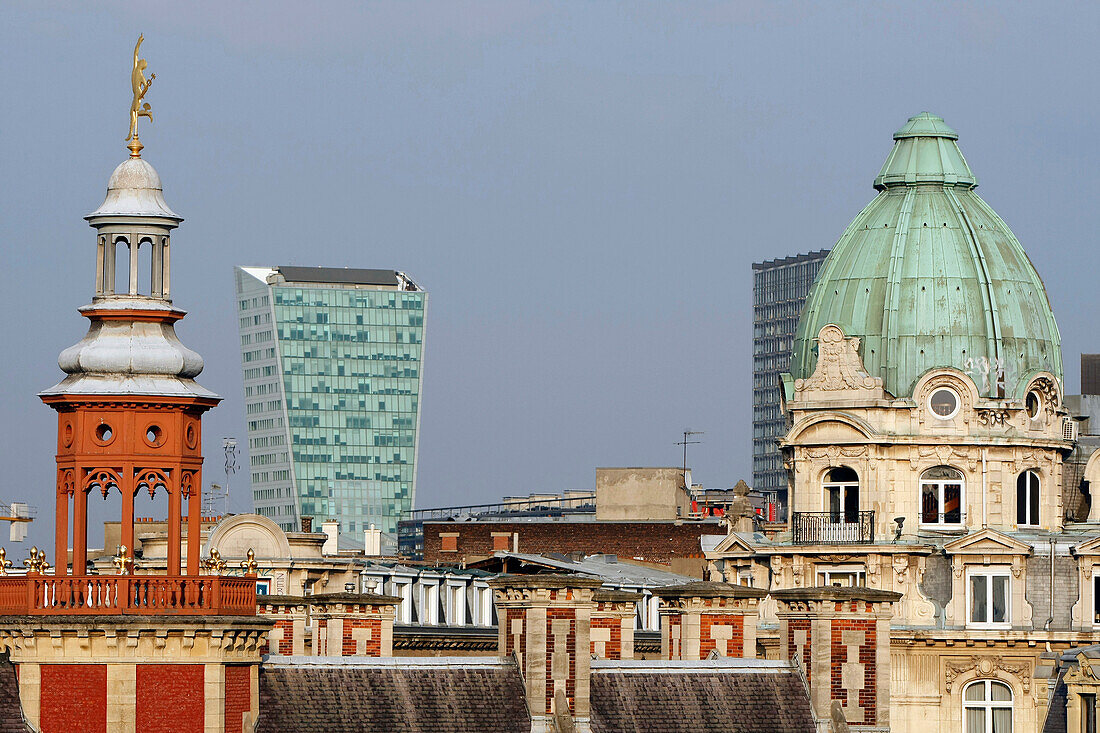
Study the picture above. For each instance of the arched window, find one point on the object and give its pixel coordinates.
(842, 494)
(941, 496)
(987, 707)
(1027, 499)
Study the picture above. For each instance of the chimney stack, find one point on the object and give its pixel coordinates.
(703, 617)
(545, 621)
(842, 636)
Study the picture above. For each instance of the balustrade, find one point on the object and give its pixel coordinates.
(128, 594)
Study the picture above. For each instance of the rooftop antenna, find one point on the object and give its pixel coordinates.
(686, 442)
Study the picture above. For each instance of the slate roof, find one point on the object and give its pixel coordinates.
(362, 695)
(712, 696)
(11, 712)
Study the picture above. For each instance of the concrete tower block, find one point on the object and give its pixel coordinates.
(842, 636)
(704, 617)
(545, 621)
(613, 618)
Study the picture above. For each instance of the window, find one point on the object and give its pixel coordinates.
(987, 598)
(987, 706)
(944, 403)
(1096, 600)
(1033, 404)
(1027, 499)
(941, 490)
(1088, 712)
(842, 577)
(842, 494)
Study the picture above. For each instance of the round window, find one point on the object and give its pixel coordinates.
(154, 435)
(944, 403)
(104, 434)
(1033, 404)
(67, 435)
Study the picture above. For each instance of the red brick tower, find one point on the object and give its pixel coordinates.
(132, 651)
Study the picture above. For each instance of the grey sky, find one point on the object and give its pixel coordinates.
(580, 186)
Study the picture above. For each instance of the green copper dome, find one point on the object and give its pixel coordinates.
(928, 276)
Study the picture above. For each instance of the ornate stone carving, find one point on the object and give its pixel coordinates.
(838, 365)
(986, 667)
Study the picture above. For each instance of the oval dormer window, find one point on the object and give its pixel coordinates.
(1033, 404)
(944, 403)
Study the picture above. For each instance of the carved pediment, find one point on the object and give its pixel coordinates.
(733, 544)
(1088, 547)
(839, 367)
(987, 542)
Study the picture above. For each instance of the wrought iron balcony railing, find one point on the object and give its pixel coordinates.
(833, 528)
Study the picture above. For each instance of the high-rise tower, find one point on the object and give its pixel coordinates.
(779, 290)
(332, 375)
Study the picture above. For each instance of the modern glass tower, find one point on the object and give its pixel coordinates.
(332, 376)
(779, 291)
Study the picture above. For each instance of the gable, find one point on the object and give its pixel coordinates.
(987, 542)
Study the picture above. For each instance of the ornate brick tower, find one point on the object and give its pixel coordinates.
(129, 411)
(118, 652)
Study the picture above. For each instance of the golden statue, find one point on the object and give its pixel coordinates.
(141, 86)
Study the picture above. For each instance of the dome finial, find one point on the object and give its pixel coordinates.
(140, 85)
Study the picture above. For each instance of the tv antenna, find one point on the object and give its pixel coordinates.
(686, 442)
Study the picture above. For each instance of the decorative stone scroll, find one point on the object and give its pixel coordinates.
(839, 367)
(986, 666)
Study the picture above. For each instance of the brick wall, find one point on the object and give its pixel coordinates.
(372, 645)
(796, 626)
(238, 696)
(170, 698)
(553, 649)
(839, 656)
(284, 622)
(735, 644)
(513, 645)
(656, 542)
(74, 698)
(613, 646)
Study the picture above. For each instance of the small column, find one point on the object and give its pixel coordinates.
(194, 530)
(127, 528)
(613, 621)
(545, 621)
(80, 533)
(704, 617)
(354, 624)
(842, 636)
(134, 247)
(61, 533)
(175, 530)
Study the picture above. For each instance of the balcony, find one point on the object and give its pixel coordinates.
(49, 595)
(833, 528)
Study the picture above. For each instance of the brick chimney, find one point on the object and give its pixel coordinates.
(842, 636)
(352, 624)
(612, 631)
(703, 617)
(343, 624)
(545, 621)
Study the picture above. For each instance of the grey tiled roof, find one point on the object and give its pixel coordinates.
(461, 695)
(11, 712)
(641, 700)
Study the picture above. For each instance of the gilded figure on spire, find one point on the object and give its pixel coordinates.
(141, 86)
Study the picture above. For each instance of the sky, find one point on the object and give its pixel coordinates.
(581, 187)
